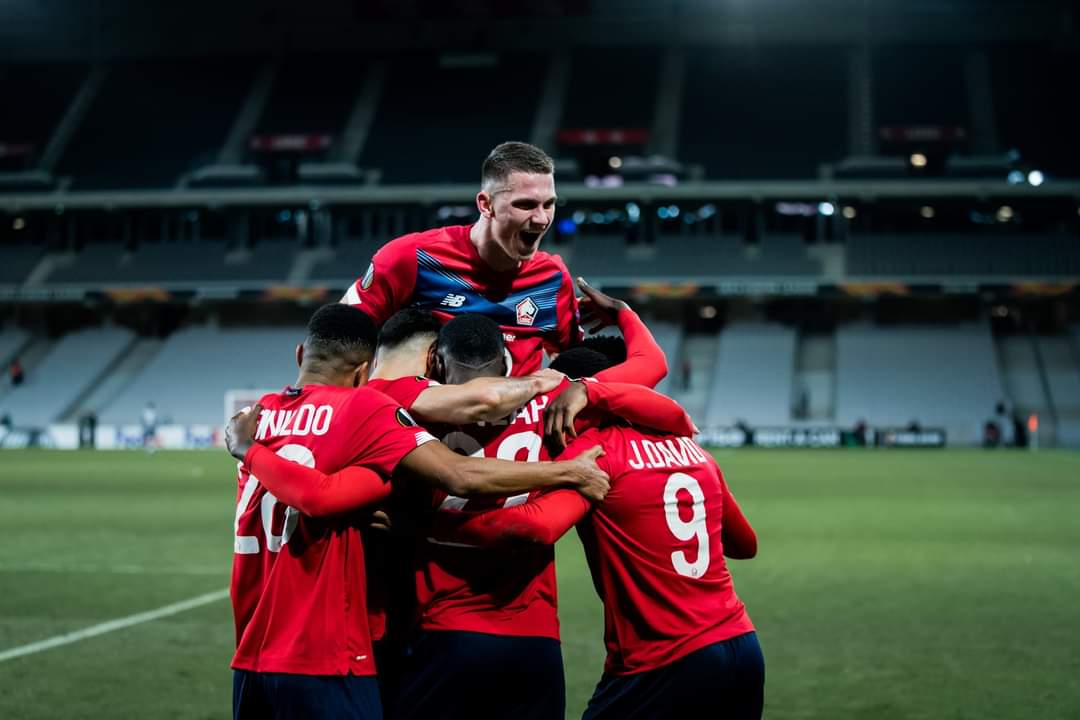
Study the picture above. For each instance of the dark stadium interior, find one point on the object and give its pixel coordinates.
(837, 217)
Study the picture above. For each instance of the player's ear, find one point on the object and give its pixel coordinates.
(362, 374)
(300, 355)
(436, 366)
(485, 205)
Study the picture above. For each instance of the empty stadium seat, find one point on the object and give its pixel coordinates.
(753, 376)
(406, 145)
(189, 375)
(936, 376)
(75, 361)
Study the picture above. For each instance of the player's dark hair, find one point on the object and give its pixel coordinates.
(581, 362)
(471, 340)
(336, 332)
(611, 346)
(514, 157)
(406, 324)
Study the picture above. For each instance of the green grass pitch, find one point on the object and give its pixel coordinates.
(888, 585)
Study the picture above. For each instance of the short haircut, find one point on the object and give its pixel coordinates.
(581, 362)
(611, 346)
(471, 340)
(512, 157)
(338, 332)
(404, 325)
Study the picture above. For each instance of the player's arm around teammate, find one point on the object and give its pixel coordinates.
(355, 487)
(481, 399)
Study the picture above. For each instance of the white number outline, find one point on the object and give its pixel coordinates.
(684, 530)
(249, 544)
(508, 449)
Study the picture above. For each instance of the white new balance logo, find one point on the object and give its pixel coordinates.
(452, 300)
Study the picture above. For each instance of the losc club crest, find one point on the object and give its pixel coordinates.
(526, 311)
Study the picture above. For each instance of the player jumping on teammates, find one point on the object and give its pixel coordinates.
(303, 644)
(493, 267)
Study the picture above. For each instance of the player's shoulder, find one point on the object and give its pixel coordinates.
(426, 239)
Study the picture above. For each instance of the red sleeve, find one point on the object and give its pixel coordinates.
(542, 520)
(640, 405)
(311, 491)
(388, 283)
(569, 331)
(383, 432)
(645, 362)
(736, 534)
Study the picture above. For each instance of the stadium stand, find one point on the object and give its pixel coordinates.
(1063, 378)
(75, 362)
(699, 350)
(611, 88)
(688, 256)
(35, 98)
(991, 254)
(221, 359)
(16, 262)
(935, 376)
(177, 113)
(1021, 376)
(312, 94)
(669, 336)
(175, 264)
(347, 263)
(406, 146)
(1029, 113)
(752, 378)
(921, 86)
(11, 341)
(753, 112)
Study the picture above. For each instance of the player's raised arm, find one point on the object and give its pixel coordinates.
(645, 362)
(484, 399)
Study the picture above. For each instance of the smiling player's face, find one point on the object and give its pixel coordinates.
(522, 212)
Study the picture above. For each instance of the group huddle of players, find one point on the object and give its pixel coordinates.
(399, 503)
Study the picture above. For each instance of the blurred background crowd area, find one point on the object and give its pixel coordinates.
(846, 222)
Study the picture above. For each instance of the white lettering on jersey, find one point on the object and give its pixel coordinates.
(452, 300)
(667, 453)
(530, 414)
(307, 420)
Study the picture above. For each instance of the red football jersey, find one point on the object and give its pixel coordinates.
(654, 548)
(510, 592)
(384, 551)
(304, 611)
(439, 270)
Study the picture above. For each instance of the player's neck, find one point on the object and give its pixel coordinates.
(489, 250)
(312, 376)
(393, 368)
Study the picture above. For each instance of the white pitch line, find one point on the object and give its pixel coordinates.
(112, 625)
(112, 569)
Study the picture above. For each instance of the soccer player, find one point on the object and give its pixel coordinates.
(679, 641)
(489, 641)
(303, 644)
(493, 267)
